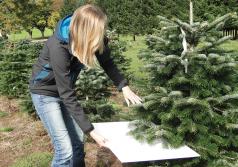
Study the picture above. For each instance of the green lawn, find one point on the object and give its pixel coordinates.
(36, 34)
(133, 48)
(231, 45)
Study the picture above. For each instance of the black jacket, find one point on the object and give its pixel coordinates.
(56, 70)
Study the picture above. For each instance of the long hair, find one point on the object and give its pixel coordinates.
(87, 30)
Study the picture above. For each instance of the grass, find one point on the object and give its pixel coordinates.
(231, 45)
(6, 129)
(38, 159)
(36, 34)
(133, 49)
(3, 114)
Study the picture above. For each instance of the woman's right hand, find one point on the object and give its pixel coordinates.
(101, 141)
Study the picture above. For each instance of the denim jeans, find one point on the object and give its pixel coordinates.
(66, 136)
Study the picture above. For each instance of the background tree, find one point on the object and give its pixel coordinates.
(8, 19)
(130, 16)
(24, 11)
(41, 14)
(138, 17)
(57, 5)
(53, 19)
(69, 6)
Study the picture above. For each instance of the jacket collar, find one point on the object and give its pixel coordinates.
(62, 29)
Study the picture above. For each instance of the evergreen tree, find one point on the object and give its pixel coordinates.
(193, 96)
(92, 84)
(16, 60)
(100, 110)
(92, 91)
(117, 12)
(131, 16)
(171, 8)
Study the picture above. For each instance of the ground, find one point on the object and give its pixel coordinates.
(22, 136)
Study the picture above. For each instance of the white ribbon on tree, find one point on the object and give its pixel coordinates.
(185, 50)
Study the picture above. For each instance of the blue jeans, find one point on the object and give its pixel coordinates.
(66, 136)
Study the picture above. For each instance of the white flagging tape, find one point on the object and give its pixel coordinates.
(185, 50)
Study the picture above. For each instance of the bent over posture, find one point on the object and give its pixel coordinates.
(79, 40)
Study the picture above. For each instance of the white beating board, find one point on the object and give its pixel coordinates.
(127, 149)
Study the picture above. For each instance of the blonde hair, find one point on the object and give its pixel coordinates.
(87, 29)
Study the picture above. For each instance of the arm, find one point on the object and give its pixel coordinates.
(118, 79)
(60, 62)
(106, 62)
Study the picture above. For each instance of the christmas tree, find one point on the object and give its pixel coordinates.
(193, 96)
(92, 91)
(92, 84)
(16, 60)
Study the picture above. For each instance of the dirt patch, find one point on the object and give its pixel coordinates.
(29, 136)
(8, 105)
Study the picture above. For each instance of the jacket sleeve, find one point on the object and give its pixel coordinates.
(106, 62)
(60, 62)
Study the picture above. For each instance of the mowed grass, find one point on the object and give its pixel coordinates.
(133, 49)
(36, 34)
(231, 45)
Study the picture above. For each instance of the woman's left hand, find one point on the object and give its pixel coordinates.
(130, 96)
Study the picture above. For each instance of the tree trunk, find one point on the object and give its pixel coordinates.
(236, 37)
(42, 33)
(30, 33)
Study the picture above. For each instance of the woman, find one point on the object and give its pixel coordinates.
(78, 41)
